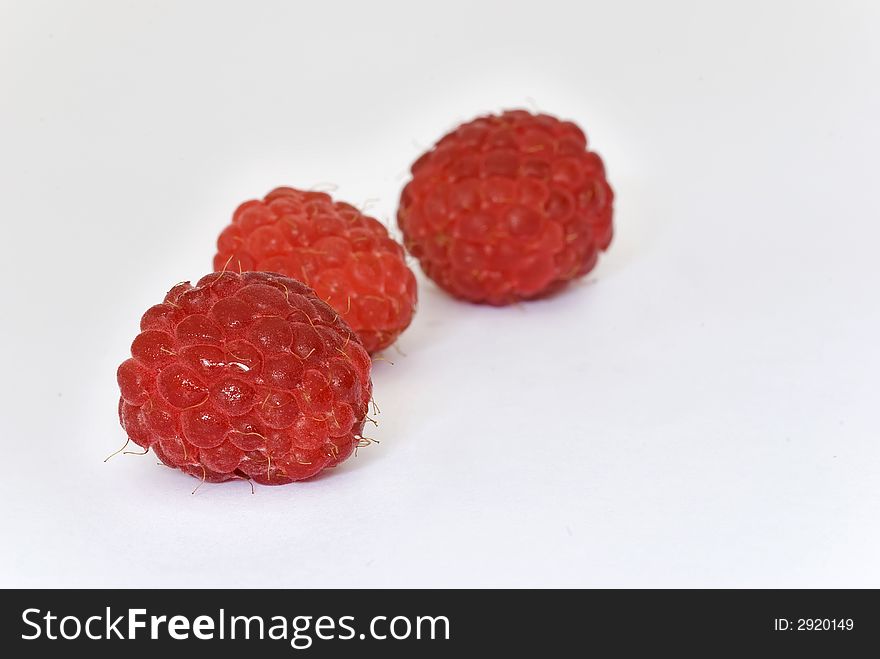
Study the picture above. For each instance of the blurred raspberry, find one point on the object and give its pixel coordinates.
(507, 207)
(346, 256)
(245, 376)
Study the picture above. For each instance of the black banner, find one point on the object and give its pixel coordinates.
(435, 623)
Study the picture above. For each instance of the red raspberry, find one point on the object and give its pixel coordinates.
(245, 376)
(507, 207)
(346, 256)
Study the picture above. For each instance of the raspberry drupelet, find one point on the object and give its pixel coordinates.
(507, 207)
(245, 376)
(346, 256)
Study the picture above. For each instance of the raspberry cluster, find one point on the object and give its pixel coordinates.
(261, 371)
(507, 207)
(346, 256)
(245, 376)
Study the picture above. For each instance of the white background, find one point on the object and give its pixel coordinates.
(701, 411)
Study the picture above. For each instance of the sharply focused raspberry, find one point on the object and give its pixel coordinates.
(507, 207)
(346, 256)
(245, 376)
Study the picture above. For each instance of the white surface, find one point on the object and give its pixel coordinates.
(702, 411)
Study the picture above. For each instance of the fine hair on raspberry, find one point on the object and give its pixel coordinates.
(245, 376)
(349, 258)
(507, 207)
